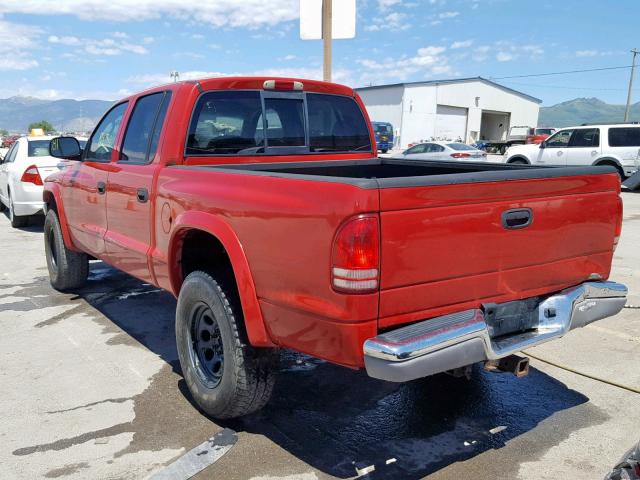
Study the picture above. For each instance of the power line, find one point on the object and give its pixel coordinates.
(569, 88)
(562, 73)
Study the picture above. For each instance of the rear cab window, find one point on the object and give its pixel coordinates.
(254, 122)
(624, 137)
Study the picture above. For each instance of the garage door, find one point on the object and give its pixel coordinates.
(451, 123)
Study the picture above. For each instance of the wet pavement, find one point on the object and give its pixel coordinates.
(92, 389)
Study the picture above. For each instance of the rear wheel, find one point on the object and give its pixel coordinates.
(68, 270)
(617, 167)
(518, 161)
(16, 221)
(384, 150)
(226, 377)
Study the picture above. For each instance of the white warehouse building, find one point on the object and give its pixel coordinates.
(467, 110)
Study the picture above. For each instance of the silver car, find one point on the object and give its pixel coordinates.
(442, 151)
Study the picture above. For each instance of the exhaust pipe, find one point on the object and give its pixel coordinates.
(515, 364)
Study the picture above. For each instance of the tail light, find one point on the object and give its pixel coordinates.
(282, 85)
(356, 256)
(460, 155)
(31, 175)
(618, 230)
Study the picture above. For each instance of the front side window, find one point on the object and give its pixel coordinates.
(624, 137)
(585, 137)
(559, 140)
(225, 123)
(141, 138)
(336, 124)
(38, 148)
(103, 139)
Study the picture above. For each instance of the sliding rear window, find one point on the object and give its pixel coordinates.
(245, 123)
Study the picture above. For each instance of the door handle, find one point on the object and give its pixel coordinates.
(102, 187)
(560, 153)
(142, 194)
(517, 218)
(594, 152)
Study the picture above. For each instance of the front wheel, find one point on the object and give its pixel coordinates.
(384, 150)
(68, 270)
(226, 377)
(517, 161)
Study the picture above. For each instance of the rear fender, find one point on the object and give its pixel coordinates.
(52, 198)
(218, 228)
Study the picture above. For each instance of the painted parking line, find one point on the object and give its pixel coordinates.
(199, 458)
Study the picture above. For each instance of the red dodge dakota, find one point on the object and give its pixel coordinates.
(262, 206)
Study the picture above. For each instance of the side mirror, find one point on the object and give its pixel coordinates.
(543, 144)
(67, 148)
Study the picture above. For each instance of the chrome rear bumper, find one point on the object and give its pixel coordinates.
(452, 341)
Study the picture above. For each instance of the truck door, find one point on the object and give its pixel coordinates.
(584, 147)
(129, 188)
(554, 151)
(84, 197)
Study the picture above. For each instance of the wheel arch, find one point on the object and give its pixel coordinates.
(200, 228)
(518, 157)
(53, 201)
(614, 162)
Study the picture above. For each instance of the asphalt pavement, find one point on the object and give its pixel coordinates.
(91, 388)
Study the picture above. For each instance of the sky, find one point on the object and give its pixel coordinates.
(107, 49)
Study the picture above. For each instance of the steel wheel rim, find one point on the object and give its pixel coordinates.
(205, 341)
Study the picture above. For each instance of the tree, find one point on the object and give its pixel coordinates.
(3, 132)
(43, 124)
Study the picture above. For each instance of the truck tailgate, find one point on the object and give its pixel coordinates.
(445, 247)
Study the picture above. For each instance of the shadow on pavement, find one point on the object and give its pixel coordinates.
(336, 419)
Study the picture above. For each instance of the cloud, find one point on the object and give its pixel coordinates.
(107, 46)
(427, 62)
(385, 5)
(444, 15)
(587, 53)
(464, 44)
(120, 35)
(17, 41)
(504, 57)
(393, 21)
(220, 13)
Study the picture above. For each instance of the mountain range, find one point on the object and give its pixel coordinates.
(67, 115)
(585, 110)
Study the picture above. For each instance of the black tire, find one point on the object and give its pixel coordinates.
(16, 221)
(384, 150)
(617, 167)
(226, 377)
(68, 270)
(517, 161)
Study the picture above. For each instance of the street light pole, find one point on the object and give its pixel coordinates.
(633, 71)
(327, 35)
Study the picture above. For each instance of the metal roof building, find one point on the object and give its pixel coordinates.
(464, 109)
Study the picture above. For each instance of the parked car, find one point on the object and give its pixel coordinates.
(22, 170)
(294, 234)
(538, 135)
(384, 135)
(442, 151)
(617, 145)
(8, 140)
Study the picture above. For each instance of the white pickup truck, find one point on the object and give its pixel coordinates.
(617, 145)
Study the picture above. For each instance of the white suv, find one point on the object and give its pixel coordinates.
(617, 145)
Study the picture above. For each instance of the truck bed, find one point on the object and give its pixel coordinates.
(389, 173)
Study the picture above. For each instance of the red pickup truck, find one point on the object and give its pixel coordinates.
(262, 206)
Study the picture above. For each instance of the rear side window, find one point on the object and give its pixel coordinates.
(624, 137)
(560, 139)
(38, 148)
(336, 123)
(102, 140)
(143, 130)
(585, 137)
(225, 123)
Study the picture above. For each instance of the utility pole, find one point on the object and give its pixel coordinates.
(327, 36)
(175, 75)
(633, 71)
